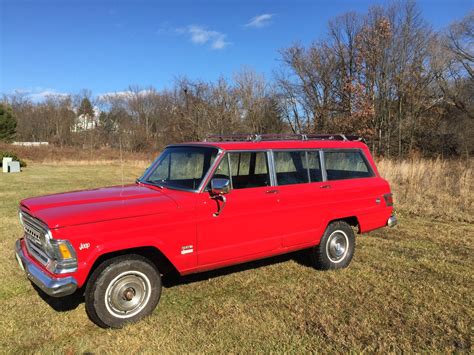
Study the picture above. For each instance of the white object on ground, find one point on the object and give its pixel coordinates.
(14, 167)
(5, 162)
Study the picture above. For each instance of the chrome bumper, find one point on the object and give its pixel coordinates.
(392, 221)
(56, 287)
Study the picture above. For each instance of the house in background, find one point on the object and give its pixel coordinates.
(86, 122)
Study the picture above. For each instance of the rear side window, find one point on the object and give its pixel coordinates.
(249, 169)
(349, 164)
(290, 168)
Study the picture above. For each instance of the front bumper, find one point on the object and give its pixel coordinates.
(56, 287)
(392, 221)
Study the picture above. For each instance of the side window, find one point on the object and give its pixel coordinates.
(240, 163)
(290, 167)
(314, 167)
(249, 169)
(346, 165)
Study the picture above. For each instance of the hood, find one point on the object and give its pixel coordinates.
(88, 206)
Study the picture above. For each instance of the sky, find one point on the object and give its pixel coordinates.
(64, 46)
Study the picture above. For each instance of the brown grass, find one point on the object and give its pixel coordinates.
(52, 154)
(431, 188)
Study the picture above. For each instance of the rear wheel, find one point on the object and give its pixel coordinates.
(336, 247)
(122, 290)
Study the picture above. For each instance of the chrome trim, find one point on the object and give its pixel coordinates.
(55, 287)
(35, 251)
(227, 157)
(40, 243)
(271, 168)
(307, 165)
(218, 160)
(210, 171)
(37, 236)
(322, 164)
(306, 151)
(392, 221)
(127, 294)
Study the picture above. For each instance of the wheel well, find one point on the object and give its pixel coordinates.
(151, 253)
(352, 221)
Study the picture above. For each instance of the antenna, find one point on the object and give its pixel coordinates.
(121, 161)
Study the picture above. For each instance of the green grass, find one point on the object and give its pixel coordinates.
(408, 288)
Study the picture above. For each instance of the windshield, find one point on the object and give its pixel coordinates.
(180, 167)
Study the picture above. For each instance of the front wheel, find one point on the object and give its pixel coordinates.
(336, 248)
(122, 290)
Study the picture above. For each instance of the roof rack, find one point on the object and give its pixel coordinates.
(280, 137)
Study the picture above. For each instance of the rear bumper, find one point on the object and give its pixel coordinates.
(392, 221)
(55, 287)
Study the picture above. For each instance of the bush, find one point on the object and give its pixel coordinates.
(4, 154)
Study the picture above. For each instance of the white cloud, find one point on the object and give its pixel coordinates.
(260, 21)
(39, 93)
(201, 35)
(124, 94)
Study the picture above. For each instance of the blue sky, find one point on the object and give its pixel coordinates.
(105, 46)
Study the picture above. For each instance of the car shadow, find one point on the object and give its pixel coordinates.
(71, 302)
(61, 304)
(173, 279)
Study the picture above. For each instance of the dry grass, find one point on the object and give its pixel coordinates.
(407, 289)
(70, 155)
(431, 188)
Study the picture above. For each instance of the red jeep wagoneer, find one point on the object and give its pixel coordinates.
(202, 206)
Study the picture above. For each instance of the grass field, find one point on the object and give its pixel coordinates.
(408, 288)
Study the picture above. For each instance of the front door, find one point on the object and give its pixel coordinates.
(246, 227)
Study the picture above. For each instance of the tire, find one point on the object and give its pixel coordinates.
(122, 290)
(336, 247)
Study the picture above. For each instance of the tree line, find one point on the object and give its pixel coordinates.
(384, 75)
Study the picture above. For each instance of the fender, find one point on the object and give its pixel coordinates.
(162, 232)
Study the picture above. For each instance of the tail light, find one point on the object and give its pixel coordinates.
(388, 199)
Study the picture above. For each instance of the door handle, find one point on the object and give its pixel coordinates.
(325, 187)
(272, 191)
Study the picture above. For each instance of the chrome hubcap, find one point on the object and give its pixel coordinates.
(127, 294)
(337, 246)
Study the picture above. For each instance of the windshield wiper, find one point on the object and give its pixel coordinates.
(148, 182)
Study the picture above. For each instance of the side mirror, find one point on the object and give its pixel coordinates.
(220, 186)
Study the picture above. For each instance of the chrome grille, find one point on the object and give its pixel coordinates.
(35, 237)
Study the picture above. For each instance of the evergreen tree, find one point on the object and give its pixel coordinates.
(7, 123)
(86, 108)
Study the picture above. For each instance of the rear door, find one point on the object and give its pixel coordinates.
(301, 196)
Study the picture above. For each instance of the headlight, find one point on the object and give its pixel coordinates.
(63, 256)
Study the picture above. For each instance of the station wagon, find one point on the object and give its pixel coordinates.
(201, 206)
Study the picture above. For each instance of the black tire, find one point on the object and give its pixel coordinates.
(336, 248)
(122, 290)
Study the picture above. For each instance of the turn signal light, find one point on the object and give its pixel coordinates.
(64, 251)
